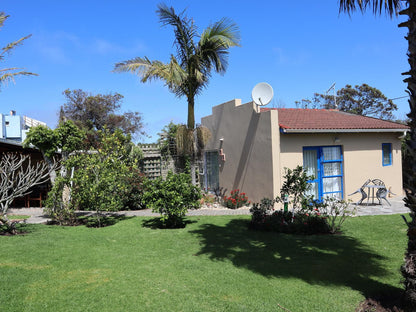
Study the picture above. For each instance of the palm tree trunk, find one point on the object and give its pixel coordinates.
(191, 113)
(191, 125)
(409, 164)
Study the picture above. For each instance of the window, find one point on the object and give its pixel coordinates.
(386, 148)
(212, 167)
(324, 163)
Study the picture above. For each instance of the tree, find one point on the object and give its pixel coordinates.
(360, 100)
(167, 139)
(17, 176)
(66, 137)
(105, 179)
(187, 73)
(8, 74)
(96, 112)
(409, 163)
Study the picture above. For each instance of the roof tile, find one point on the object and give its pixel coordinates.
(313, 119)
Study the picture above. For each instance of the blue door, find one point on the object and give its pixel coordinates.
(324, 163)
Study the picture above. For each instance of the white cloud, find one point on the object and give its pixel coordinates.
(103, 46)
(293, 59)
(55, 46)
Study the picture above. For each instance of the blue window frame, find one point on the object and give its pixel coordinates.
(325, 164)
(387, 157)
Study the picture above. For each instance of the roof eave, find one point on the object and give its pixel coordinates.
(288, 130)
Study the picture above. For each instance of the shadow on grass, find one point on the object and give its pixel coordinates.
(102, 221)
(90, 219)
(317, 259)
(156, 223)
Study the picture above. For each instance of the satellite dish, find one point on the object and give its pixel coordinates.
(262, 93)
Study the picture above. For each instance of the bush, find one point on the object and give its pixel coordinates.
(236, 200)
(260, 211)
(58, 205)
(336, 212)
(105, 179)
(312, 218)
(172, 198)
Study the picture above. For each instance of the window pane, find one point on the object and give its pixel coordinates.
(333, 195)
(386, 154)
(310, 162)
(212, 170)
(331, 184)
(331, 169)
(313, 190)
(332, 153)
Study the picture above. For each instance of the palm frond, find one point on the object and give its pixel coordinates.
(215, 42)
(13, 45)
(3, 17)
(184, 29)
(8, 75)
(136, 66)
(185, 140)
(391, 7)
(171, 73)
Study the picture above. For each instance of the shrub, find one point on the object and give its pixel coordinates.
(287, 222)
(236, 200)
(312, 218)
(260, 211)
(336, 211)
(207, 198)
(172, 198)
(58, 204)
(105, 179)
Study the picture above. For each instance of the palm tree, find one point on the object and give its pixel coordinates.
(392, 7)
(8, 74)
(187, 73)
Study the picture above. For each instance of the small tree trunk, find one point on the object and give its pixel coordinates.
(10, 226)
(51, 165)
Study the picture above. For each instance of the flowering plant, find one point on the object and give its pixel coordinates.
(236, 199)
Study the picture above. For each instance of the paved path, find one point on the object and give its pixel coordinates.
(397, 206)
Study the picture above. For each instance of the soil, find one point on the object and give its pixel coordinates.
(384, 304)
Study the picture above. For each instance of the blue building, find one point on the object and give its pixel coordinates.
(14, 127)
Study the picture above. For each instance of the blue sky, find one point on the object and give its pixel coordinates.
(297, 47)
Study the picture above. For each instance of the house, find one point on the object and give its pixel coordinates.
(251, 146)
(14, 127)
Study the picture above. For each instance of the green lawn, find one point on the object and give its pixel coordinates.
(214, 264)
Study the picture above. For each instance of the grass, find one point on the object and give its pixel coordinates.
(214, 264)
(18, 217)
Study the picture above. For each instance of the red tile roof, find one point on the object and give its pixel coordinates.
(328, 119)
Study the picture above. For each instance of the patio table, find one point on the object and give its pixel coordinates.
(372, 193)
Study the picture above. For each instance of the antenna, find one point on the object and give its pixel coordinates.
(332, 87)
(262, 94)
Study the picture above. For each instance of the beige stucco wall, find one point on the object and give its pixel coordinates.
(257, 153)
(362, 155)
(250, 146)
